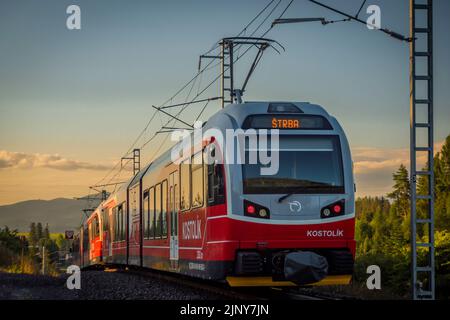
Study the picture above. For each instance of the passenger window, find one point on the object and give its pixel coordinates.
(197, 180)
(158, 211)
(114, 212)
(145, 216)
(185, 185)
(124, 223)
(121, 219)
(92, 235)
(171, 203)
(216, 182)
(151, 220)
(164, 209)
(96, 227)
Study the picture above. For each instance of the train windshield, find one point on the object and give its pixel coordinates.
(307, 164)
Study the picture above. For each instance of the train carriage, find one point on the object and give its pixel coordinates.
(225, 220)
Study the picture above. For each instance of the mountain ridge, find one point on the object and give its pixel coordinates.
(60, 213)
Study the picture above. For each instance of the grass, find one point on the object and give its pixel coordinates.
(53, 236)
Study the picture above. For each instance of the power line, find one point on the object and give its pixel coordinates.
(192, 81)
(355, 18)
(237, 59)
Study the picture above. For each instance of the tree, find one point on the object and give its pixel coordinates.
(39, 231)
(442, 167)
(442, 187)
(46, 233)
(33, 234)
(401, 193)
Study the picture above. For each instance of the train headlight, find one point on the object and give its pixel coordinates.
(255, 210)
(262, 213)
(333, 210)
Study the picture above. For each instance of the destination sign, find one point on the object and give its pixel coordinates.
(287, 122)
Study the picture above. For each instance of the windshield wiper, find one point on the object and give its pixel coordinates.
(286, 196)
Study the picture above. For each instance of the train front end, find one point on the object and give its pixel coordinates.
(290, 198)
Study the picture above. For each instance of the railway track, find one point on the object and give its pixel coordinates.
(223, 290)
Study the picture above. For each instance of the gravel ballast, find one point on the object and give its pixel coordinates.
(97, 285)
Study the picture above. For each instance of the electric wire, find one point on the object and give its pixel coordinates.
(192, 83)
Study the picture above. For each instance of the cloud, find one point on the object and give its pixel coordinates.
(368, 160)
(23, 160)
(373, 167)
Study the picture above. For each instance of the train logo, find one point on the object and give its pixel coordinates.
(295, 206)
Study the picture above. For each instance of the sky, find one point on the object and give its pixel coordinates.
(72, 102)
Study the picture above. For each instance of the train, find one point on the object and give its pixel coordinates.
(199, 212)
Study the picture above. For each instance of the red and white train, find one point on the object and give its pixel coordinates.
(225, 221)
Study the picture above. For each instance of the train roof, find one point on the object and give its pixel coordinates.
(239, 112)
(252, 107)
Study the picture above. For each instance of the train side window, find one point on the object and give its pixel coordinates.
(124, 221)
(114, 216)
(176, 200)
(151, 219)
(121, 223)
(158, 228)
(119, 228)
(145, 215)
(197, 180)
(185, 185)
(171, 204)
(216, 182)
(93, 228)
(106, 219)
(164, 210)
(118, 223)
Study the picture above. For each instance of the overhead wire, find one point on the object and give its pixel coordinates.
(192, 81)
(238, 58)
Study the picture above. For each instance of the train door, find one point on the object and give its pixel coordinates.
(106, 235)
(173, 209)
(134, 227)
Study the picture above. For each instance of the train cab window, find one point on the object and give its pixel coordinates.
(215, 181)
(164, 210)
(158, 211)
(145, 215)
(197, 180)
(185, 185)
(307, 165)
(151, 219)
